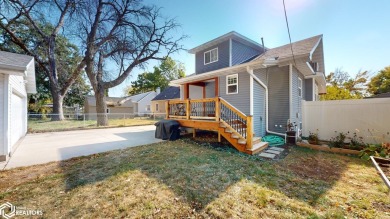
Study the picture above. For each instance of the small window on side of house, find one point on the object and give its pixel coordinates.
(147, 107)
(108, 110)
(232, 84)
(156, 106)
(211, 56)
(299, 87)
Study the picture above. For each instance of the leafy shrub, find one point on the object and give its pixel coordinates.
(357, 142)
(378, 150)
(338, 141)
(313, 138)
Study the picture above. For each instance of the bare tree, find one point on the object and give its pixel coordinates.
(125, 34)
(29, 13)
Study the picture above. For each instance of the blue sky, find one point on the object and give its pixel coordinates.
(356, 32)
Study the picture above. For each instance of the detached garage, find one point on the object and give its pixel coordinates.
(17, 79)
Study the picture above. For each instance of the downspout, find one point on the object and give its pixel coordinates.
(250, 72)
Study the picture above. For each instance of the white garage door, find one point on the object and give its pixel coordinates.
(17, 118)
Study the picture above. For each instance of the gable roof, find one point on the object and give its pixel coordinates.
(20, 65)
(120, 101)
(171, 92)
(300, 48)
(305, 51)
(230, 35)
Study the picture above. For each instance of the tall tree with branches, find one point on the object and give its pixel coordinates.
(120, 36)
(28, 14)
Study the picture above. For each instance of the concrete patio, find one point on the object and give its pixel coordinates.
(55, 146)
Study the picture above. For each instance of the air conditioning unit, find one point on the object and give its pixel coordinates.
(315, 66)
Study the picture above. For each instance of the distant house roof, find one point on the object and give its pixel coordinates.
(91, 101)
(230, 35)
(119, 101)
(382, 95)
(171, 92)
(21, 65)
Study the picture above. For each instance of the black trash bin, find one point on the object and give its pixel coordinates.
(291, 137)
(167, 130)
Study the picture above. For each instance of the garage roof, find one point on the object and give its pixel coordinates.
(20, 65)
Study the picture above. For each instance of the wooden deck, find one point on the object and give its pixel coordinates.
(215, 114)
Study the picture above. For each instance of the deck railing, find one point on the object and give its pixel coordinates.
(216, 109)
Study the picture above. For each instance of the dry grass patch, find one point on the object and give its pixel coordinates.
(186, 179)
(46, 125)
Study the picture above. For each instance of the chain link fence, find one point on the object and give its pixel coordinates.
(44, 123)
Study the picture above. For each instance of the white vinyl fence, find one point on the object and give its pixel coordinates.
(368, 118)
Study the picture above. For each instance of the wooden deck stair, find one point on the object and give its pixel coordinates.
(240, 143)
(217, 114)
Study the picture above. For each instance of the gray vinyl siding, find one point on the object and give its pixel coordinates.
(309, 89)
(296, 113)
(223, 59)
(240, 100)
(242, 52)
(278, 98)
(259, 104)
(259, 109)
(210, 89)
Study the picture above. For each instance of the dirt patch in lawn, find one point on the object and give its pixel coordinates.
(317, 166)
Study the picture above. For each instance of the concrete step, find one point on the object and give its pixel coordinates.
(267, 155)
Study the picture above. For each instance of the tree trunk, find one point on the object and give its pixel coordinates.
(58, 114)
(101, 107)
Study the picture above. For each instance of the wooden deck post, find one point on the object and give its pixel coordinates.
(188, 109)
(167, 109)
(249, 132)
(219, 136)
(217, 109)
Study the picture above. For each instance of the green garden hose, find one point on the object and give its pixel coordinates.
(273, 140)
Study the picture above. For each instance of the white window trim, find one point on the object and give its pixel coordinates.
(204, 56)
(300, 85)
(227, 77)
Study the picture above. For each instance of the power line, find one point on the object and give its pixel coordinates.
(288, 29)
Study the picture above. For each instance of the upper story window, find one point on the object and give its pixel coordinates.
(211, 56)
(299, 87)
(232, 84)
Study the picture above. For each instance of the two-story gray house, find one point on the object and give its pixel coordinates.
(266, 84)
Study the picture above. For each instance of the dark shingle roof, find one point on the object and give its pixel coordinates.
(301, 47)
(171, 92)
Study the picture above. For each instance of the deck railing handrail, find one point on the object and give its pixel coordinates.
(245, 129)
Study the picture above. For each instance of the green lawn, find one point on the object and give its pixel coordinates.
(187, 179)
(46, 125)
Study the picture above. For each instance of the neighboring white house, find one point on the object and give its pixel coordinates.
(139, 105)
(17, 79)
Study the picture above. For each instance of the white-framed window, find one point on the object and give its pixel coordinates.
(232, 84)
(108, 110)
(147, 107)
(211, 56)
(299, 87)
(156, 106)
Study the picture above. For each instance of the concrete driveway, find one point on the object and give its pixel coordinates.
(55, 146)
